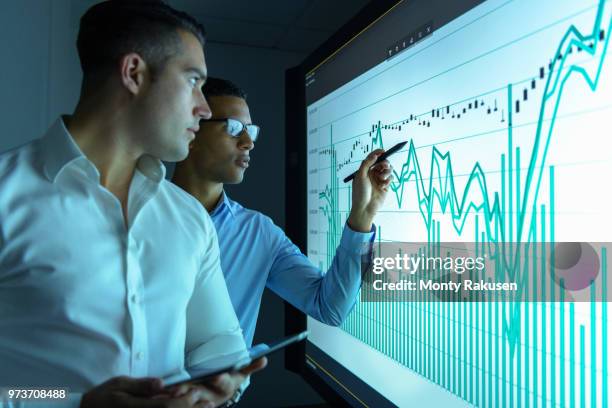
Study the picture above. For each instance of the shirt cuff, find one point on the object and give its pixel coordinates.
(359, 243)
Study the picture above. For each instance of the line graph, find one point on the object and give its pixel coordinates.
(540, 354)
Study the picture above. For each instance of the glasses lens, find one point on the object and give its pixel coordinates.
(234, 127)
(253, 131)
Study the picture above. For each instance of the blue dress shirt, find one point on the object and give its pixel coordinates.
(255, 253)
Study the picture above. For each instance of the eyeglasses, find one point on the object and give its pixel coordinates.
(235, 127)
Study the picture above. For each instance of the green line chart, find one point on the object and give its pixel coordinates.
(491, 167)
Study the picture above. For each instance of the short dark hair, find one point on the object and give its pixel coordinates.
(113, 28)
(222, 87)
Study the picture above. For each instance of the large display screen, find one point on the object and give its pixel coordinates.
(507, 109)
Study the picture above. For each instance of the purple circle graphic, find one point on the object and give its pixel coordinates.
(576, 264)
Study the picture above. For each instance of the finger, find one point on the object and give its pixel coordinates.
(185, 401)
(380, 170)
(381, 166)
(381, 182)
(384, 179)
(215, 386)
(380, 175)
(369, 161)
(384, 186)
(225, 384)
(180, 390)
(256, 365)
(384, 175)
(198, 395)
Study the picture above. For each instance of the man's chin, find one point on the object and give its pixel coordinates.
(235, 179)
(175, 156)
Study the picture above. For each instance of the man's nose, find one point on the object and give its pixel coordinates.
(202, 109)
(245, 141)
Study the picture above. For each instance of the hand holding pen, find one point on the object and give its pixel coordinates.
(370, 187)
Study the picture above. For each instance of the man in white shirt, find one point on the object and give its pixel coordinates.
(106, 269)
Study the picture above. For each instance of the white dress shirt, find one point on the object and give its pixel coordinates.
(83, 297)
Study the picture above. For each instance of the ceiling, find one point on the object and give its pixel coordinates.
(286, 25)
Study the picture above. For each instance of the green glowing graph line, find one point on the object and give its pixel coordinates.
(572, 38)
(441, 179)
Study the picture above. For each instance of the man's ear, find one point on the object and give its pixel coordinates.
(133, 71)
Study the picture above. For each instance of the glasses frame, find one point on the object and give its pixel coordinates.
(242, 129)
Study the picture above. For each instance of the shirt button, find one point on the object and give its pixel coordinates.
(139, 355)
(134, 298)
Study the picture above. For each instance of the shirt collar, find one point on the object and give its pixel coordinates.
(152, 168)
(59, 150)
(224, 203)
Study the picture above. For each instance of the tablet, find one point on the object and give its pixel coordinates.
(235, 362)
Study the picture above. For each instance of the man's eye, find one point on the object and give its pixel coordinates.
(234, 127)
(193, 81)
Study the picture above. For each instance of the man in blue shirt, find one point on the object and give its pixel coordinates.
(255, 253)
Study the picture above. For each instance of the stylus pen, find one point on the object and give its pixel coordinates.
(382, 157)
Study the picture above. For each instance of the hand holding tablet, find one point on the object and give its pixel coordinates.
(231, 364)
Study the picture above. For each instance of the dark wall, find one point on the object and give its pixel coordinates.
(40, 76)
